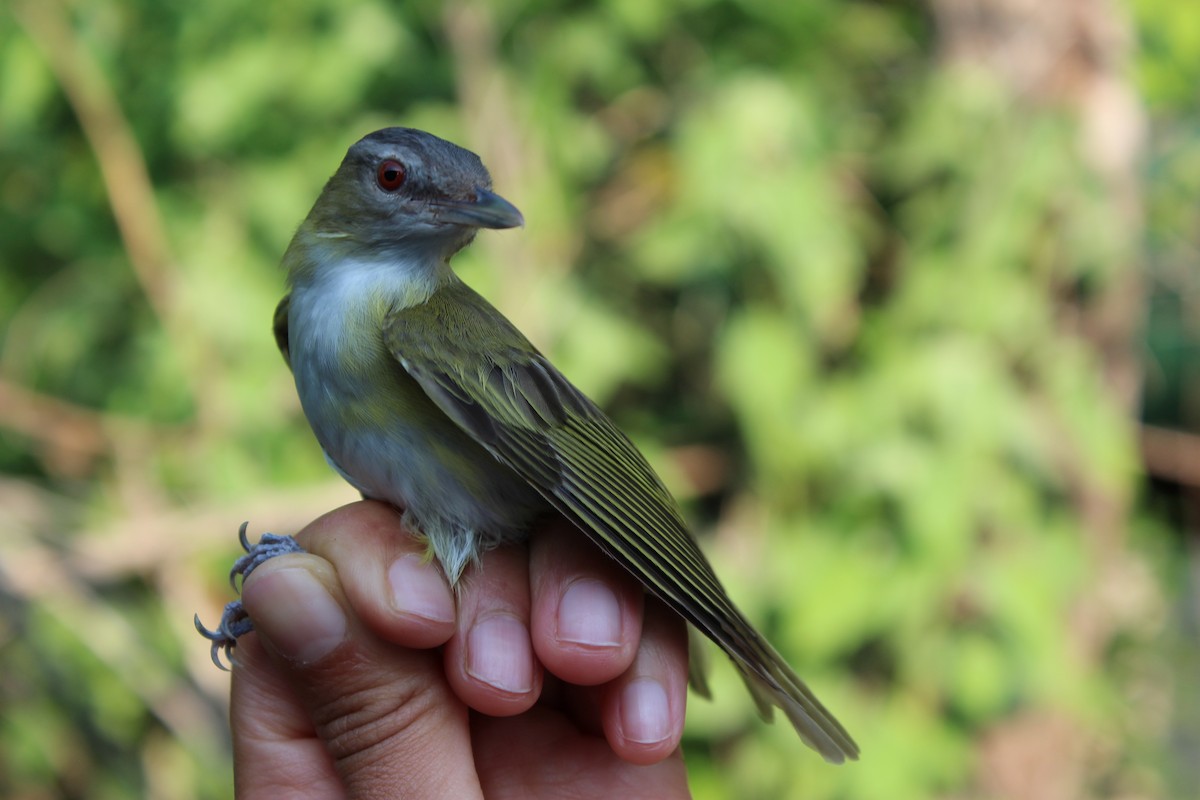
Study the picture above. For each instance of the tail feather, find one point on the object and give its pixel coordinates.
(781, 687)
(698, 663)
(763, 700)
(773, 684)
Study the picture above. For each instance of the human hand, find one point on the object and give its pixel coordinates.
(552, 680)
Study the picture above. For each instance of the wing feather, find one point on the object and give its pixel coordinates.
(531, 418)
(280, 328)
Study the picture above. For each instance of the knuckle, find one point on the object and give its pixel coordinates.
(366, 721)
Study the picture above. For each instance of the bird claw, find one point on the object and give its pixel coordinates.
(234, 623)
(269, 546)
(234, 620)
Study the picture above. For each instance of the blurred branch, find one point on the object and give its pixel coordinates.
(36, 573)
(706, 469)
(1171, 455)
(488, 99)
(39, 567)
(141, 545)
(122, 166)
(71, 437)
(484, 94)
(1074, 56)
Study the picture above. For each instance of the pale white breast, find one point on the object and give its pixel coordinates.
(366, 412)
(343, 290)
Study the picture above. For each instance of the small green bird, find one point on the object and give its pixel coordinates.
(423, 395)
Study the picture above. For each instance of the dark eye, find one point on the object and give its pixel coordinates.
(390, 175)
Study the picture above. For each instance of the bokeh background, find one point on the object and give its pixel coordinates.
(899, 296)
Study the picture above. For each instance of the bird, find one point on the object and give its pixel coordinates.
(423, 395)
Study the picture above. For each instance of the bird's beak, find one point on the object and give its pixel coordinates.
(487, 210)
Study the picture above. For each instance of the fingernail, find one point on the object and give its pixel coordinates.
(589, 614)
(419, 589)
(645, 712)
(296, 614)
(498, 653)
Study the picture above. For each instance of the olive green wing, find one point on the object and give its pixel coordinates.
(281, 327)
(521, 409)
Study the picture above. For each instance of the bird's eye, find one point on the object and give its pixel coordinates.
(390, 175)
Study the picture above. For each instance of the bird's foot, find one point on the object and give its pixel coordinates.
(413, 526)
(234, 620)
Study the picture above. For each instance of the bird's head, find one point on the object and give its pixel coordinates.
(407, 193)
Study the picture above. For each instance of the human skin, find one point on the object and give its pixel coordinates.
(549, 675)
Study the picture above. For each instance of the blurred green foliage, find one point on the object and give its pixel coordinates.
(830, 283)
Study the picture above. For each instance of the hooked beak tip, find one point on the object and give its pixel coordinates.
(486, 210)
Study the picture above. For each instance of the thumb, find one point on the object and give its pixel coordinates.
(384, 714)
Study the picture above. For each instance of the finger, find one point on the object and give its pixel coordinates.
(643, 710)
(276, 750)
(384, 713)
(489, 661)
(514, 759)
(587, 610)
(392, 586)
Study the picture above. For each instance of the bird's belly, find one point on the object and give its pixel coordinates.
(388, 439)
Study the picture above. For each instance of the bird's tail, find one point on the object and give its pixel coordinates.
(773, 684)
